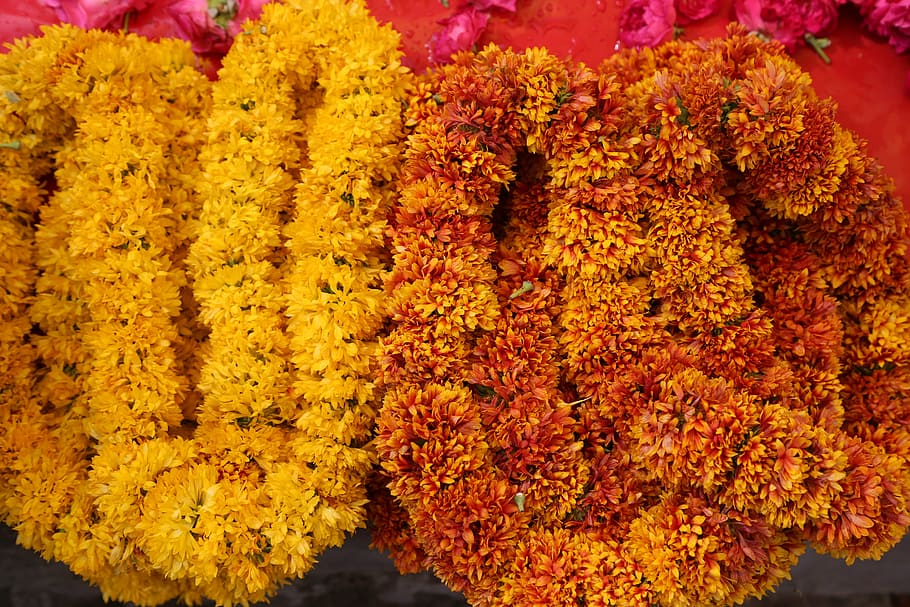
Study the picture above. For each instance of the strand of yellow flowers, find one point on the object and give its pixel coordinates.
(31, 127)
(706, 403)
(243, 505)
(60, 507)
(310, 93)
(136, 118)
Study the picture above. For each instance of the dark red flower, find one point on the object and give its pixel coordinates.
(459, 33)
(890, 19)
(89, 14)
(212, 29)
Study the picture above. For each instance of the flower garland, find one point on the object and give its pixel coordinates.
(106, 298)
(679, 373)
(34, 126)
(287, 395)
(186, 450)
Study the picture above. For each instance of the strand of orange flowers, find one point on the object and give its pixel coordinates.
(433, 438)
(843, 218)
(694, 429)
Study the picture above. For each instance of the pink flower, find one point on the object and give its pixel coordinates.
(459, 32)
(89, 14)
(210, 25)
(787, 20)
(646, 22)
(890, 19)
(688, 11)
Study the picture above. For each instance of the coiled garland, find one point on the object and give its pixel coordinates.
(650, 330)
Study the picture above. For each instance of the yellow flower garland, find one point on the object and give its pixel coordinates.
(287, 395)
(239, 491)
(40, 488)
(31, 126)
(96, 260)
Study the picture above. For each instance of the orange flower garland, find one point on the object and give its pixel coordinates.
(630, 327)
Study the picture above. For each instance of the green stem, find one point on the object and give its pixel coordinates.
(11, 145)
(818, 45)
(526, 287)
(520, 501)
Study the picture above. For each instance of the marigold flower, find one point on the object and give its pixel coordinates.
(667, 379)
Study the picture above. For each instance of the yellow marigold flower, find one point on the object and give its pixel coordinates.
(172, 534)
(287, 266)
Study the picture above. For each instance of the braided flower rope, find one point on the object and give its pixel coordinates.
(649, 331)
(286, 384)
(105, 382)
(30, 131)
(190, 413)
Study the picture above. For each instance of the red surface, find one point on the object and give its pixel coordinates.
(866, 77)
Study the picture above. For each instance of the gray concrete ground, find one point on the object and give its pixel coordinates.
(355, 576)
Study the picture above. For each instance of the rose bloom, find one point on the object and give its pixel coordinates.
(889, 19)
(646, 22)
(787, 20)
(459, 32)
(688, 11)
(89, 14)
(211, 30)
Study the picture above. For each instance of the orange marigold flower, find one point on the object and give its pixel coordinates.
(666, 302)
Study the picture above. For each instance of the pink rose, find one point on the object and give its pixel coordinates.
(890, 19)
(787, 20)
(210, 25)
(646, 22)
(89, 14)
(459, 32)
(688, 11)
